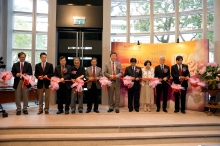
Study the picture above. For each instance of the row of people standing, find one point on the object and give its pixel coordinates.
(141, 92)
(179, 73)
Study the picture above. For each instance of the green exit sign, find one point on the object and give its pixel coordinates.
(79, 20)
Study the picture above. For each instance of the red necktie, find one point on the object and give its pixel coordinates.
(113, 68)
(180, 71)
(43, 66)
(62, 71)
(93, 72)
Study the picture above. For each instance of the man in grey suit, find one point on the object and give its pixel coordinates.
(93, 73)
(113, 72)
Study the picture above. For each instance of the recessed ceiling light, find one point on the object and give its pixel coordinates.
(88, 5)
(69, 4)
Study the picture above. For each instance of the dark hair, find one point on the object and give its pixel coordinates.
(62, 57)
(76, 58)
(43, 53)
(113, 53)
(179, 57)
(94, 59)
(21, 53)
(133, 60)
(146, 62)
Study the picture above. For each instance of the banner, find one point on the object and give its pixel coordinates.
(194, 53)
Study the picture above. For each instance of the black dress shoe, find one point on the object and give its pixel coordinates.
(137, 110)
(40, 112)
(25, 112)
(117, 111)
(165, 110)
(96, 111)
(183, 112)
(18, 113)
(80, 111)
(110, 110)
(88, 111)
(130, 110)
(73, 112)
(176, 111)
(46, 112)
(59, 112)
(157, 110)
(66, 112)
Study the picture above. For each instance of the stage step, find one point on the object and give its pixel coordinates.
(113, 138)
(108, 129)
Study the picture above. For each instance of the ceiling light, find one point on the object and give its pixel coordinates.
(88, 5)
(69, 4)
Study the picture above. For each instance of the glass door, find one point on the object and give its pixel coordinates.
(82, 43)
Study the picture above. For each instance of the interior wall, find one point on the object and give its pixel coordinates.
(93, 16)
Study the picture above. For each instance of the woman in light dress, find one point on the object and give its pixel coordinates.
(147, 92)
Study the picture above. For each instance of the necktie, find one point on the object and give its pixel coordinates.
(133, 71)
(93, 72)
(22, 66)
(62, 71)
(43, 66)
(180, 71)
(113, 68)
(162, 67)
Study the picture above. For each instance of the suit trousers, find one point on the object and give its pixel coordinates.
(133, 95)
(63, 96)
(25, 94)
(162, 88)
(40, 98)
(114, 89)
(74, 95)
(93, 96)
(181, 97)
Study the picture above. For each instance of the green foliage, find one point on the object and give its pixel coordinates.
(210, 74)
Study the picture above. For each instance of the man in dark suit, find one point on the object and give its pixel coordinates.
(180, 74)
(134, 92)
(62, 71)
(19, 68)
(43, 71)
(77, 73)
(162, 72)
(93, 73)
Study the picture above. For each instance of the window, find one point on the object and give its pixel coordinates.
(164, 6)
(22, 41)
(23, 5)
(164, 24)
(140, 7)
(189, 15)
(140, 25)
(189, 5)
(190, 22)
(118, 8)
(24, 31)
(23, 22)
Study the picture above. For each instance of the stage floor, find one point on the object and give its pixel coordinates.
(123, 119)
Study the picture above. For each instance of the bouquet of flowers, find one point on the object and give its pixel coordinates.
(127, 80)
(210, 73)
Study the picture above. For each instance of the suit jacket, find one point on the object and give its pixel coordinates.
(175, 74)
(48, 70)
(89, 73)
(16, 69)
(158, 73)
(108, 70)
(66, 76)
(136, 74)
